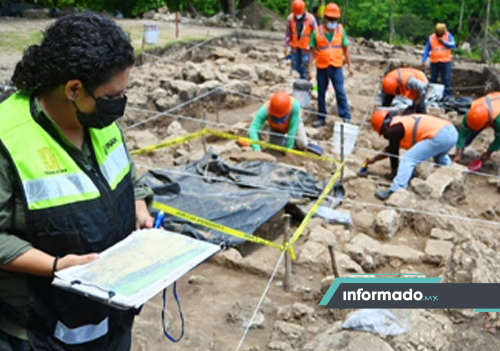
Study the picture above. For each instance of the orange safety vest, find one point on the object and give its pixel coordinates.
(305, 37)
(280, 124)
(492, 101)
(329, 54)
(418, 128)
(439, 52)
(402, 75)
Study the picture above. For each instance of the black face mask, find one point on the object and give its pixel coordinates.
(106, 112)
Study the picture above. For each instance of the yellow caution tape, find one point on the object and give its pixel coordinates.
(288, 246)
(171, 142)
(204, 132)
(270, 146)
(219, 227)
(313, 209)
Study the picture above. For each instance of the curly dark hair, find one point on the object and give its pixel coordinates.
(83, 46)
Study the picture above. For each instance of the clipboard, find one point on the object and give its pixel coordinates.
(134, 270)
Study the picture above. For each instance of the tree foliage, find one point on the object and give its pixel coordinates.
(412, 20)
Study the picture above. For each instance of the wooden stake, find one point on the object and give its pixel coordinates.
(177, 25)
(204, 138)
(142, 47)
(342, 151)
(217, 111)
(288, 260)
(331, 250)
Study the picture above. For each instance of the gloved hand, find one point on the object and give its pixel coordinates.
(286, 51)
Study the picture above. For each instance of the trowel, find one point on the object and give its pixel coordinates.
(315, 149)
(364, 168)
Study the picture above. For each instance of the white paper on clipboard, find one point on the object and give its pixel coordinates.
(137, 268)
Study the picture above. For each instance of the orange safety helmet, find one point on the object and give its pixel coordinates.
(332, 10)
(378, 119)
(280, 104)
(478, 117)
(298, 7)
(390, 85)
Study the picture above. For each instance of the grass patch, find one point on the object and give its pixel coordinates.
(16, 42)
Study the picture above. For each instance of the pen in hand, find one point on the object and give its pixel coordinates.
(158, 223)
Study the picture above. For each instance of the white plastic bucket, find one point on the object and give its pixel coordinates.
(302, 92)
(151, 33)
(435, 90)
(350, 135)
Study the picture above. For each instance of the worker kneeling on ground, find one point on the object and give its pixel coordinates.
(409, 83)
(423, 136)
(484, 112)
(282, 113)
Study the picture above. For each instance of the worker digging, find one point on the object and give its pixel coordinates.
(410, 83)
(484, 113)
(423, 137)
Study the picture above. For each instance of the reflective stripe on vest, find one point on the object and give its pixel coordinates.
(439, 52)
(402, 75)
(49, 176)
(492, 101)
(305, 37)
(418, 128)
(82, 334)
(280, 124)
(329, 53)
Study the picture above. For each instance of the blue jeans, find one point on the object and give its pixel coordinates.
(443, 69)
(300, 62)
(336, 75)
(437, 148)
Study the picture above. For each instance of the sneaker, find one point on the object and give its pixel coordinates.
(319, 123)
(383, 194)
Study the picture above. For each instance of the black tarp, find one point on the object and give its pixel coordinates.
(242, 197)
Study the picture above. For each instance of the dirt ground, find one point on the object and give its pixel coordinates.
(219, 296)
(243, 284)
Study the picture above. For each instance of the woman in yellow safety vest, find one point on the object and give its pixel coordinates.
(67, 185)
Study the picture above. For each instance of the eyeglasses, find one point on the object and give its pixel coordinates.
(329, 19)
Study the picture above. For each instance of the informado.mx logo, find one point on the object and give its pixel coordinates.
(408, 295)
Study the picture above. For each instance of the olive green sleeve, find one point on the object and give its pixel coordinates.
(141, 190)
(11, 246)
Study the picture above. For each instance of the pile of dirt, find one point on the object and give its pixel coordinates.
(257, 16)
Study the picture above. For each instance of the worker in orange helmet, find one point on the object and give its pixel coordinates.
(484, 113)
(410, 83)
(299, 26)
(282, 114)
(423, 136)
(329, 44)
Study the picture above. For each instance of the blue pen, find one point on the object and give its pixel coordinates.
(159, 219)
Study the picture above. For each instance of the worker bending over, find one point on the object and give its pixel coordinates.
(282, 114)
(423, 136)
(484, 113)
(409, 83)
